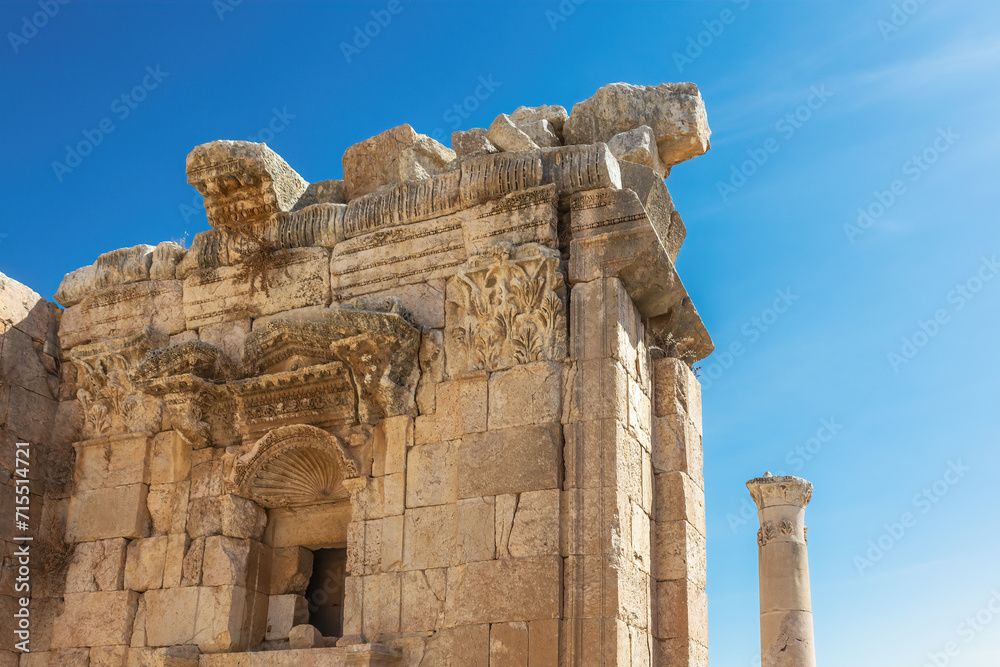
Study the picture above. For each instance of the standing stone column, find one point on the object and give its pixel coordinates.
(786, 625)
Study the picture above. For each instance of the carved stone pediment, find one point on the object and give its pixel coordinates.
(107, 393)
(321, 395)
(293, 466)
(375, 344)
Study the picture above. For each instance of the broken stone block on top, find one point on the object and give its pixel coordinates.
(507, 137)
(674, 111)
(638, 146)
(542, 133)
(472, 142)
(399, 154)
(243, 182)
(553, 113)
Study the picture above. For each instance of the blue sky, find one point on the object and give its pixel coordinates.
(894, 115)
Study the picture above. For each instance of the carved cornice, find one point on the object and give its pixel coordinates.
(769, 491)
(107, 392)
(193, 358)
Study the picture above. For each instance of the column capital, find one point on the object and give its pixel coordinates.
(770, 491)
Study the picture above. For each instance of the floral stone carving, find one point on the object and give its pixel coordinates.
(109, 398)
(506, 307)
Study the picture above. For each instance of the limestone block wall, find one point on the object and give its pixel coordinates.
(34, 480)
(440, 412)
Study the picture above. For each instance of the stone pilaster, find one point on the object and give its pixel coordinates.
(786, 624)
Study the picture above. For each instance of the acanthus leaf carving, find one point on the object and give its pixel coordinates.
(505, 308)
(109, 398)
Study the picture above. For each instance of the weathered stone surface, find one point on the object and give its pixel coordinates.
(496, 591)
(399, 154)
(118, 511)
(169, 458)
(509, 645)
(429, 537)
(472, 142)
(475, 536)
(432, 472)
(283, 613)
(674, 111)
(123, 310)
(304, 636)
(109, 656)
(652, 192)
(677, 498)
(145, 562)
(118, 267)
(554, 114)
(166, 257)
(226, 515)
(97, 566)
(174, 656)
(294, 278)
(506, 136)
(464, 409)
(291, 568)
(313, 526)
(535, 526)
(526, 394)
(219, 622)
(243, 182)
(512, 460)
(330, 192)
(113, 461)
(422, 600)
(95, 619)
(541, 132)
(638, 146)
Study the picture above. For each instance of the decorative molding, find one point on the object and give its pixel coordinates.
(293, 466)
(505, 308)
(107, 393)
(769, 491)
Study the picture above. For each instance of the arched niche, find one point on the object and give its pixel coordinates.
(295, 466)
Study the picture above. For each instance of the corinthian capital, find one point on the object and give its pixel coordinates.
(769, 491)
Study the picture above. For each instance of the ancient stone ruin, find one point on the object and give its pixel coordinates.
(440, 412)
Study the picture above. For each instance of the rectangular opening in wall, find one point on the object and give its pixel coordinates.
(325, 593)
